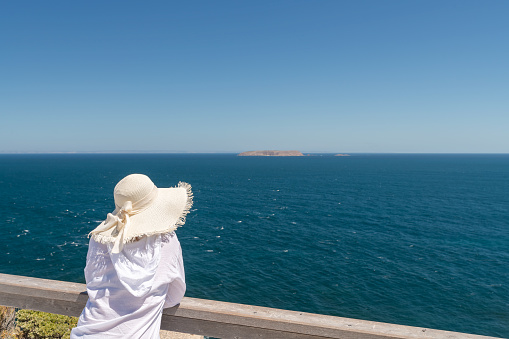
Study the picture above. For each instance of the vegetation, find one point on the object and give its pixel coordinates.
(39, 325)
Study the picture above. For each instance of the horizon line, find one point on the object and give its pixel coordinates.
(229, 152)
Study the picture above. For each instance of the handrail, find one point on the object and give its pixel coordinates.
(214, 318)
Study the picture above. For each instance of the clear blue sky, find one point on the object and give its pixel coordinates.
(230, 76)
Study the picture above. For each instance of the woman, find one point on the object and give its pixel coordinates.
(134, 263)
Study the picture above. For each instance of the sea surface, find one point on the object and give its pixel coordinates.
(419, 240)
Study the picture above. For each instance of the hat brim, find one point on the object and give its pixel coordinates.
(165, 215)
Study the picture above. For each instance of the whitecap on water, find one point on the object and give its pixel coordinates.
(61, 245)
(24, 232)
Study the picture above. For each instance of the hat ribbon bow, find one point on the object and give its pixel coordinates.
(122, 219)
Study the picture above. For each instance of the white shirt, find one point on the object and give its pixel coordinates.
(128, 291)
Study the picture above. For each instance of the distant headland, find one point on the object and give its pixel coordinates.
(342, 155)
(271, 154)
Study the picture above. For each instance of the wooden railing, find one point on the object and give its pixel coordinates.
(215, 318)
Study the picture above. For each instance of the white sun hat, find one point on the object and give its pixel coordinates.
(142, 209)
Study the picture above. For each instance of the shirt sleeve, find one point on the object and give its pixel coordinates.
(172, 264)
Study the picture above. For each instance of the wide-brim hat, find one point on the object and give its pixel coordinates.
(143, 209)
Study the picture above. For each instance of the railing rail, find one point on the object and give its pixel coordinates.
(215, 318)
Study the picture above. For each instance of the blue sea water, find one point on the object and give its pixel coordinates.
(419, 240)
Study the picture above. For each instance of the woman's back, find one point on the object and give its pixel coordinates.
(127, 291)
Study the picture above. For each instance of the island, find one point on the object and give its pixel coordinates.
(342, 155)
(271, 154)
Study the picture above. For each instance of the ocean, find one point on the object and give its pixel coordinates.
(420, 240)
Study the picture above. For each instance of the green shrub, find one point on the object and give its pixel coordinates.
(41, 325)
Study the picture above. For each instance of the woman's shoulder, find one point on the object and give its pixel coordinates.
(97, 248)
(168, 237)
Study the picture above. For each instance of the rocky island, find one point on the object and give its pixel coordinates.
(342, 155)
(271, 154)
